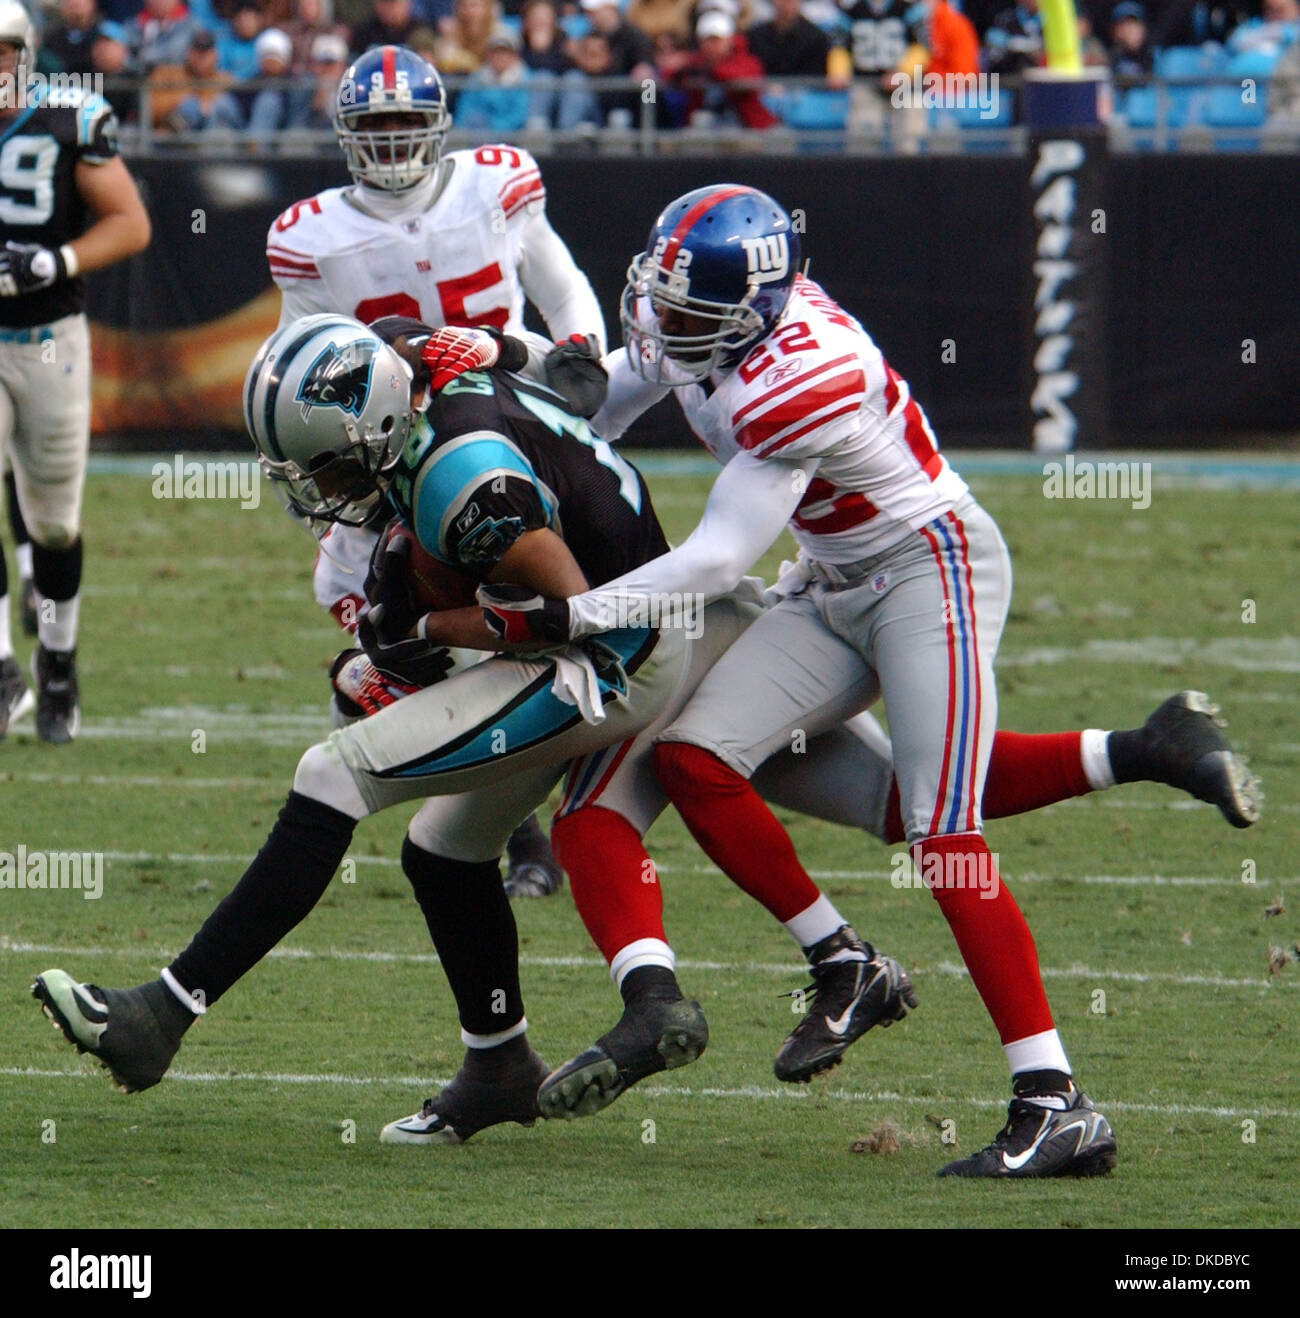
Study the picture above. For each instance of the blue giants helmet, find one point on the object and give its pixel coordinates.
(726, 255)
(390, 80)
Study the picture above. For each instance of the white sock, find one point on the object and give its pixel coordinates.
(23, 558)
(1037, 1052)
(197, 1007)
(1096, 760)
(60, 632)
(815, 922)
(493, 1040)
(6, 641)
(643, 952)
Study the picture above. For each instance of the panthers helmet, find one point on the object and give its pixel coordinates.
(16, 30)
(726, 255)
(391, 80)
(328, 404)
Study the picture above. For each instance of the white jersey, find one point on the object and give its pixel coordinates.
(817, 387)
(464, 248)
(339, 576)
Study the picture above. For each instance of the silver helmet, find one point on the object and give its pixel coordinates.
(16, 29)
(328, 404)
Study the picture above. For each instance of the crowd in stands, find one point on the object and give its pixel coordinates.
(527, 64)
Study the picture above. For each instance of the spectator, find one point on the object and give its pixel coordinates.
(723, 57)
(237, 45)
(1195, 22)
(1270, 34)
(119, 11)
(390, 24)
(564, 106)
(328, 60)
(188, 108)
(1130, 50)
(109, 55)
(790, 46)
(71, 38)
(160, 34)
(496, 99)
(594, 56)
(274, 109)
(631, 52)
(950, 40)
(311, 19)
(655, 17)
(464, 41)
(1284, 90)
(1015, 41)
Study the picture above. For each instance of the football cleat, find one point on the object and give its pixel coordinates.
(851, 997)
(133, 1032)
(477, 1097)
(16, 699)
(27, 605)
(652, 1035)
(1040, 1141)
(1182, 746)
(533, 870)
(58, 715)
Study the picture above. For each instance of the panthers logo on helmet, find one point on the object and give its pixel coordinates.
(339, 377)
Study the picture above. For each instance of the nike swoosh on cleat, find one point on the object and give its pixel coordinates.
(839, 1027)
(1014, 1161)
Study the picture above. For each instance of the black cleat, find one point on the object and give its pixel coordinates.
(1182, 746)
(58, 716)
(134, 1032)
(1038, 1141)
(16, 699)
(652, 1035)
(533, 870)
(851, 997)
(479, 1095)
(27, 605)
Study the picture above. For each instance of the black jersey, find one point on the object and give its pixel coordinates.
(495, 456)
(877, 33)
(40, 147)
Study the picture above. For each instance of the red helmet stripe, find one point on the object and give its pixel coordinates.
(390, 68)
(701, 207)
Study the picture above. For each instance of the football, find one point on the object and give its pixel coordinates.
(434, 584)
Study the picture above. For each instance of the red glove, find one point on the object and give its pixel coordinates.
(454, 350)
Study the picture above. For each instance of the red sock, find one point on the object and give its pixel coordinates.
(736, 830)
(608, 867)
(992, 935)
(1026, 772)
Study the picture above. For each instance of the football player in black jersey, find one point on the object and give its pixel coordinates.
(502, 479)
(68, 206)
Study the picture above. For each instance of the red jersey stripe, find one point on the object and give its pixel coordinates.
(774, 422)
(812, 425)
(848, 511)
(799, 382)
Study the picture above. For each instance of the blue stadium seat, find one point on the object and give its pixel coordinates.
(1224, 108)
(1257, 64)
(1189, 62)
(811, 108)
(1140, 106)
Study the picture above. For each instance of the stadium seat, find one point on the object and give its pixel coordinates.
(1257, 64)
(1189, 62)
(809, 108)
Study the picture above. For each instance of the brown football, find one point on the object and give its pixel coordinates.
(434, 584)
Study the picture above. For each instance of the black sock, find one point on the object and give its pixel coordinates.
(15, 512)
(1125, 751)
(473, 930)
(57, 572)
(505, 1058)
(286, 879)
(650, 984)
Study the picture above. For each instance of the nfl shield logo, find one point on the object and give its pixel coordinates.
(879, 582)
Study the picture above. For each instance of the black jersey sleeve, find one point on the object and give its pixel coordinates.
(476, 497)
(96, 131)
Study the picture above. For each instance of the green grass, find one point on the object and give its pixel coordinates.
(198, 616)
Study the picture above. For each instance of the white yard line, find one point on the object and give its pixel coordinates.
(746, 1092)
(789, 969)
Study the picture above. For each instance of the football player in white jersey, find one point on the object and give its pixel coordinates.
(454, 239)
(900, 591)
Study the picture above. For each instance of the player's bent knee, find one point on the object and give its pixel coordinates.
(685, 771)
(590, 830)
(52, 535)
(322, 776)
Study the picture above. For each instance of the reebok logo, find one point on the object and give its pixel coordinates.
(103, 1272)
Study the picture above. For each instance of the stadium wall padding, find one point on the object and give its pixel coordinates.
(1204, 256)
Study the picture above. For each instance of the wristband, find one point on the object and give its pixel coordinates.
(70, 263)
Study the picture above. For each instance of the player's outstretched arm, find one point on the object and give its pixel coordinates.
(748, 507)
(553, 283)
(121, 226)
(628, 395)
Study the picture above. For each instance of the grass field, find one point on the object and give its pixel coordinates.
(197, 616)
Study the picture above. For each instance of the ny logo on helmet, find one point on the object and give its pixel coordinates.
(339, 377)
(768, 257)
